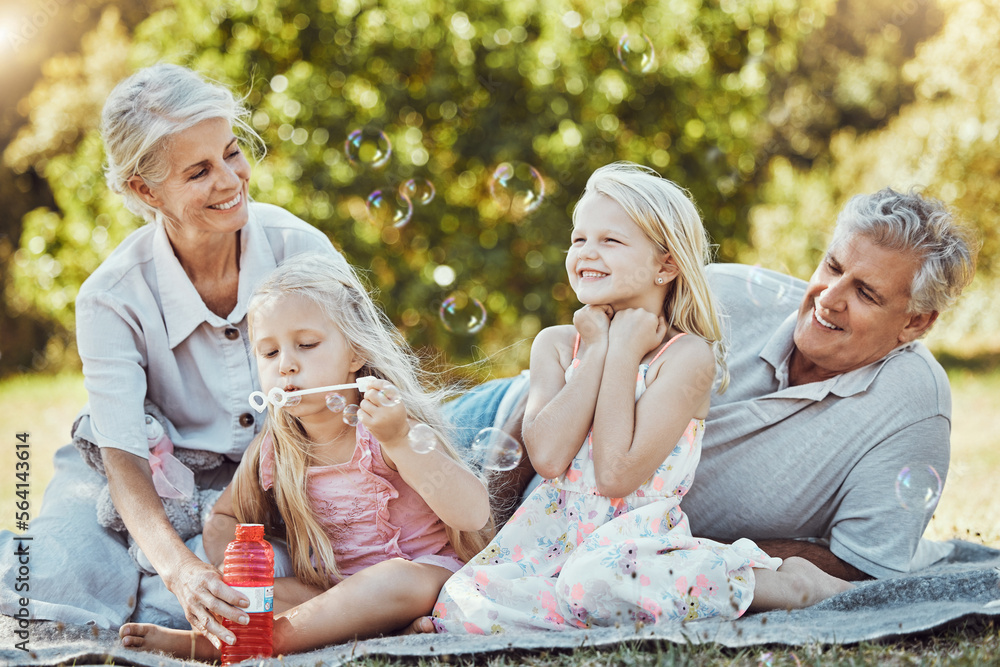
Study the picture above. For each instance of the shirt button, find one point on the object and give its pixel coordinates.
(232, 334)
(246, 420)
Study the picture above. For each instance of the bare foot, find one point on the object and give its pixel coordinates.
(180, 643)
(422, 626)
(815, 585)
(796, 584)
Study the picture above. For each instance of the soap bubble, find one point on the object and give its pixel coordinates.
(387, 208)
(495, 449)
(335, 403)
(635, 53)
(351, 415)
(291, 401)
(918, 488)
(368, 147)
(517, 188)
(767, 288)
(389, 396)
(463, 315)
(419, 190)
(422, 439)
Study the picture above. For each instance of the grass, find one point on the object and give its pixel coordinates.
(969, 508)
(969, 644)
(44, 407)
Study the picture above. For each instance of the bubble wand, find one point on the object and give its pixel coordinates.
(422, 438)
(279, 398)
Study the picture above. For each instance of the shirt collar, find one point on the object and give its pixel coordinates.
(183, 308)
(257, 261)
(778, 353)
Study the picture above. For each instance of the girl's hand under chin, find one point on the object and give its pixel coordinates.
(388, 423)
(638, 330)
(593, 323)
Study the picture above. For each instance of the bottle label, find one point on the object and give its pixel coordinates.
(261, 598)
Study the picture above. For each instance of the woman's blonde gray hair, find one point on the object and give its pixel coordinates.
(668, 217)
(911, 223)
(145, 110)
(338, 293)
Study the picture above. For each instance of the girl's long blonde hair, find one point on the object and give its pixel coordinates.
(668, 217)
(336, 290)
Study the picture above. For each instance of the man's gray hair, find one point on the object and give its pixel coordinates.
(145, 110)
(912, 223)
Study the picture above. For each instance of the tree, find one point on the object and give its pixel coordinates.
(503, 108)
(944, 141)
(457, 94)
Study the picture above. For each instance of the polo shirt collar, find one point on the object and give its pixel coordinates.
(183, 308)
(778, 353)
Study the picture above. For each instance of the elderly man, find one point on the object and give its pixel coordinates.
(830, 405)
(832, 402)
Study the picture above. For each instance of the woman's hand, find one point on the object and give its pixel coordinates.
(637, 330)
(206, 600)
(593, 323)
(388, 423)
(197, 585)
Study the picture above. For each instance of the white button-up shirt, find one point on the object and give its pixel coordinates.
(143, 331)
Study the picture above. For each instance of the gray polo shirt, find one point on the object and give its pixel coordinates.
(820, 460)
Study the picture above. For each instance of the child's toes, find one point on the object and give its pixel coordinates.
(132, 634)
(422, 625)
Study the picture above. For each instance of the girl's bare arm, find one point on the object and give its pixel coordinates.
(558, 414)
(632, 439)
(448, 487)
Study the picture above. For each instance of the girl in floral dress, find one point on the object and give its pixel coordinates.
(604, 539)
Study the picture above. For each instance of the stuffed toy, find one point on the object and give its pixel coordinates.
(174, 470)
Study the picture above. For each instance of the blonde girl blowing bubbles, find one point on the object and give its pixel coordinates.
(372, 531)
(603, 539)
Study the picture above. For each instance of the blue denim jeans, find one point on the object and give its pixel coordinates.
(482, 407)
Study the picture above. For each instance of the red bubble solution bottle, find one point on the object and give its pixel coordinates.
(249, 568)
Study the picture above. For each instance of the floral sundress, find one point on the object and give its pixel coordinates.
(572, 558)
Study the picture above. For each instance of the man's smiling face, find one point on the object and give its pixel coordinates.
(855, 310)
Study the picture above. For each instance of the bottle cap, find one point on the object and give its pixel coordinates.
(249, 531)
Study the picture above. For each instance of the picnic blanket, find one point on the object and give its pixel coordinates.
(964, 586)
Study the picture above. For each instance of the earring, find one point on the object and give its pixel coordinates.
(659, 281)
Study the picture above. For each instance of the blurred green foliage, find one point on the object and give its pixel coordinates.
(943, 141)
(708, 93)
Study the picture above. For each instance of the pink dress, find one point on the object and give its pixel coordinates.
(572, 558)
(368, 511)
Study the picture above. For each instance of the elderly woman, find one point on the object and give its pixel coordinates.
(161, 320)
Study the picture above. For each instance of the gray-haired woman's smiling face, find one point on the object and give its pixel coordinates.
(206, 190)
